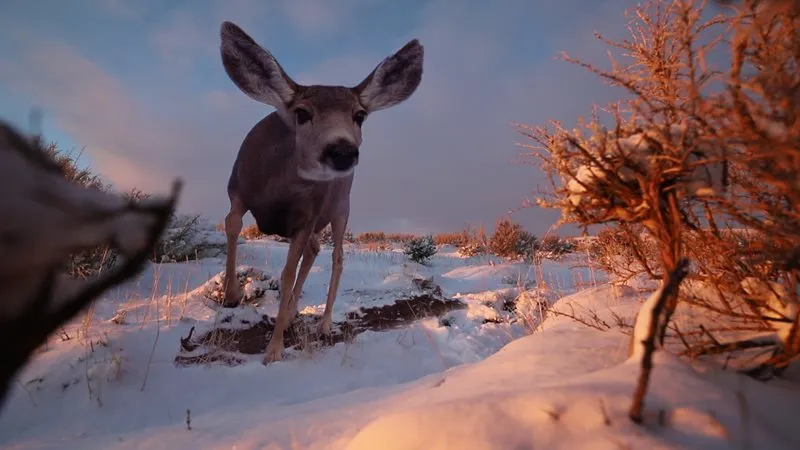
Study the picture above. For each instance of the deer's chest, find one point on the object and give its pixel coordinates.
(285, 215)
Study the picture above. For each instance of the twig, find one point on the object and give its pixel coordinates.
(718, 348)
(593, 321)
(153, 350)
(670, 289)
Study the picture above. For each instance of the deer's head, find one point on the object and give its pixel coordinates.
(326, 120)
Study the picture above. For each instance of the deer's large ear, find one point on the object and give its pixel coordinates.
(394, 80)
(253, 69)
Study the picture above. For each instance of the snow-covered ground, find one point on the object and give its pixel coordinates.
(482, 376)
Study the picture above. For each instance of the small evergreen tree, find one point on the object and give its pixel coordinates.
(527, 246)
(420, 249)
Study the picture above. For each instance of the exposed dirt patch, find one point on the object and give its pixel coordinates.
(223, 344)
(401, 312)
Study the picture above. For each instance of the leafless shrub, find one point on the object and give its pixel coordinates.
(624, 251)
(510, 240)
(553, 247)
(476, 242)
(376, 246)
(400, 238)
(694, 155)
(371, 236)
(251, 232)
(456, 239)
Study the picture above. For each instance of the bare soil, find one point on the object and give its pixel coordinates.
(226, 345)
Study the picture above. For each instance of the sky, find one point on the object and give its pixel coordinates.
(139, 88)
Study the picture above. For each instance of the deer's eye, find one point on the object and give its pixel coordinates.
(359, 117)
(302, 115)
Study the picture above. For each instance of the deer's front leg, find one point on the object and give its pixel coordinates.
(233, 226)
(310, 254)
(296, 248)
(338, 226)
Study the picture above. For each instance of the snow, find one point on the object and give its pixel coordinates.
(479, 377)
(627, 155)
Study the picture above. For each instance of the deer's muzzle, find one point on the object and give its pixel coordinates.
(341, 155)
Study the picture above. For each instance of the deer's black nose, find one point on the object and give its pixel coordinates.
(340, 155)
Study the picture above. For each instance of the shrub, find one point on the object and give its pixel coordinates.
(624, 252)
(420, 249)
(554, 248)
(400, 238)
(475, 243)
(692, 154)
(376, 246)
(187, 237)
(251, 232)
(511, 241)
(90, 262)
(371, 236)
(457, 239)
(325, 236)
(527, 246)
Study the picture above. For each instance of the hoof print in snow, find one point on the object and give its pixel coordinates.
(253, 283)
(227, 345)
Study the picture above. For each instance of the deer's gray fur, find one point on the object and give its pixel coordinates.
(295, 167)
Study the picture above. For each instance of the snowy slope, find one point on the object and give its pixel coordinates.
(475, 378)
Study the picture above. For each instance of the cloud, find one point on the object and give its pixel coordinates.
(128, 142)
(441, 160)
(188, 37)
(320, 17)
(121, 9)
(180, 42)
(446, 156)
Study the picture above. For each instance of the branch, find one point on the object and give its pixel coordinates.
(670, 289)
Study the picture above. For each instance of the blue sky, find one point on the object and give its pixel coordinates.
(140, 86)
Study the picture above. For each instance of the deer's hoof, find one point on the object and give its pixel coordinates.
(324, 326)
(232, 299)
(274, 353)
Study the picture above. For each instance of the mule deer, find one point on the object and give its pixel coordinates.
(295, 167)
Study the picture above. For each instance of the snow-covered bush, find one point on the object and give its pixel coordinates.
(420, 249)
(188, 237)
(471, 249)
(553, 247)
